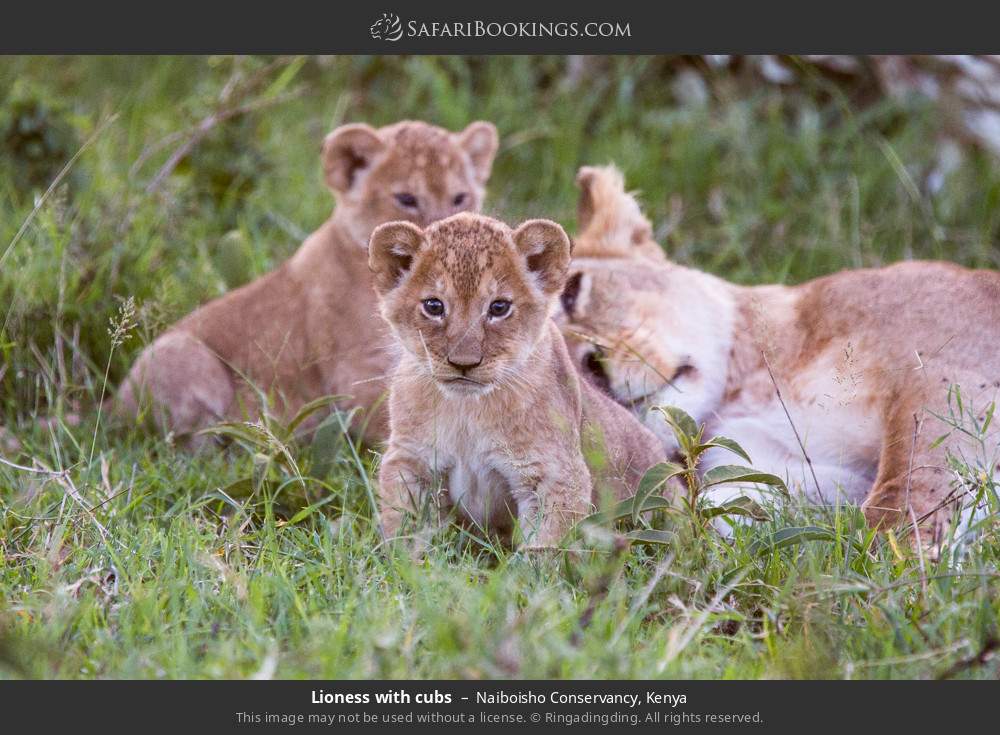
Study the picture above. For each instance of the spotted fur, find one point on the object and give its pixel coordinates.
(490, 408)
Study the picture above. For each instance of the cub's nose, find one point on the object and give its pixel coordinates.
(465, 364)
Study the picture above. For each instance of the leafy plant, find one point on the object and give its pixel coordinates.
(690, 499)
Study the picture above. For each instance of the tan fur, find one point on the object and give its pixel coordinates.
(310, 328)
(613, 231)
(863, 358)
(492, 407)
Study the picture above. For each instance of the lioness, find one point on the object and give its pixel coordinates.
(310, 328)
(485, 396)
(863, 360)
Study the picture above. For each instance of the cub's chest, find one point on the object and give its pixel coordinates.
(475, 465)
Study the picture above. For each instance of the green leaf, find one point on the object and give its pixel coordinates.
(241, 431)
(683, 425)
(724, 443)
(734, 473)
(734, 575)
(650, 537)
(939, 441)
(791, 536)
(740, 506)
(623, 509)
(309, 510)
(654, 479)
(284, 79)
(309, 409)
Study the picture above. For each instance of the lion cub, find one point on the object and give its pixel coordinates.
(485, 398)
(310, 327)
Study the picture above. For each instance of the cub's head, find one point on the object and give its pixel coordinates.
(468, 298)
(407, 171)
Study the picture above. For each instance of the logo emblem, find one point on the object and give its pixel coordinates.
(387, 28)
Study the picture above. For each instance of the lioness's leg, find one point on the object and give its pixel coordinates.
(913, 483)
(182, 381)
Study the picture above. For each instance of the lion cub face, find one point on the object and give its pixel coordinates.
(408, 171)
(468, 298)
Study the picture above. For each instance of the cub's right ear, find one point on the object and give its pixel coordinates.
(547, 249)
(390, 253)
(348, 150)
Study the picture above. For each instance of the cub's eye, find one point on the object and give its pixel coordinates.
(499, 308)
(459, 200)
(433, 307)
(406, 200)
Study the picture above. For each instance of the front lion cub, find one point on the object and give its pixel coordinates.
(485, 399)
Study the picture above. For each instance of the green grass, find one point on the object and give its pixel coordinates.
(141, 560)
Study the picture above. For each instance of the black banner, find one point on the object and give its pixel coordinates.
(449, 27)
(705, 706)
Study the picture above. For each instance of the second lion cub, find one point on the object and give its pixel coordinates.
(485, 403)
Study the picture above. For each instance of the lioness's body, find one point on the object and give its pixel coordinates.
(862, 359)
(492, 408)
(310, 328)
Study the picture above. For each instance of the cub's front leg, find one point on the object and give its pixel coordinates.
(551, 500)
(404, 480)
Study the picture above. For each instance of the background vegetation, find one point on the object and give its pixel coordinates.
(133, 189)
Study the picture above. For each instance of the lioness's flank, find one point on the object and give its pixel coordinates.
(485, 401)
(866, 361)
(310, 328)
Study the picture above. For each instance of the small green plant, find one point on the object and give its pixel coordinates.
(690, 485)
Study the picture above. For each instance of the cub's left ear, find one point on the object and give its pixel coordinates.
(347, 151)
(480, 141)
(390, 253)
(547, 249)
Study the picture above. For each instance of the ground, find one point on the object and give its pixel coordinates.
(122, 555)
